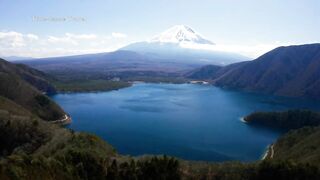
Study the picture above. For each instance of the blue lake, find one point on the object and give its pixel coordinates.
(194, 122)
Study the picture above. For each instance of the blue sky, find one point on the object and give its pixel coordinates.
(249, 27)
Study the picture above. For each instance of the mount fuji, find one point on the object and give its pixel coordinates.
(180, 34)
(183, 45)
(175, 51)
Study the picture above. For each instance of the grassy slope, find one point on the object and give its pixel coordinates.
(34, 77)
(20, 91)
(302, 145)
(8, 106)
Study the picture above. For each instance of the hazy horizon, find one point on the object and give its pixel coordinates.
(59, 28)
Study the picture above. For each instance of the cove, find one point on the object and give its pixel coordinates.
(189, 121)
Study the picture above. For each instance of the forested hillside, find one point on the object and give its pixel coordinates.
(20, 84)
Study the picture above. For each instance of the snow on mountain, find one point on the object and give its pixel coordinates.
(182, 44)
(180, 34)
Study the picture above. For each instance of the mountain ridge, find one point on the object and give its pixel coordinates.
(286, 71)
(23, 86)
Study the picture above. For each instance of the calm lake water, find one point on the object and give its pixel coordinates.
(195, 122)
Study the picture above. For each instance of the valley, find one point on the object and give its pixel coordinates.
(291, 71)
(107, 99)
(167, 110)
(52, 148)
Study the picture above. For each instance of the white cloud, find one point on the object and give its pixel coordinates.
(70, 38)
(64, 39)
(32, 45)
(11, 39)
(32, 37)
(118, 35)
(81, 36)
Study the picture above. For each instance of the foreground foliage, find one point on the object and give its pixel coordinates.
(264, 170)
(302, 145)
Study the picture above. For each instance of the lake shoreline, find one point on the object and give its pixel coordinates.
(131, 83)
(158, 118)
(66, 120)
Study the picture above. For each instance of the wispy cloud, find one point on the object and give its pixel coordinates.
(32, 37)
(65, 40)
(11, 39)
(70, 38)
(81, 36)
(32, 45)
(118, 35)
(18, 44)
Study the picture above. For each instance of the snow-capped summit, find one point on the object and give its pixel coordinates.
(180, 34)
(181, 44)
